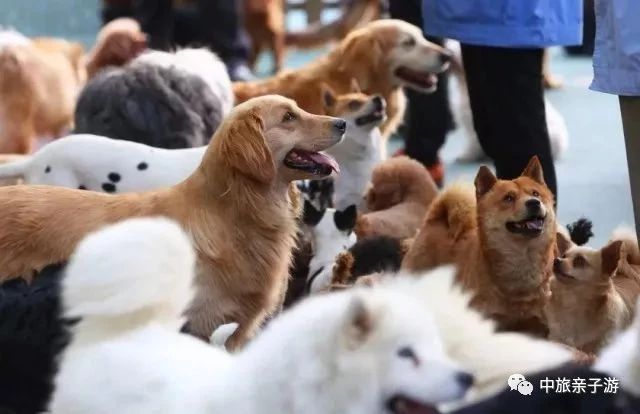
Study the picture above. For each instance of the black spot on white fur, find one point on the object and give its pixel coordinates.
(47, 169)
(114, 177)
(311, 216)
(109, 187)
(345, 220)
(143, 166)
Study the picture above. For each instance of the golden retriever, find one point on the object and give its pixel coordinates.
(382, 57)
(236, 207)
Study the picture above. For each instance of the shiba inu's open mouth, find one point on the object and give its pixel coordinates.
(422, 80)
(404, 405)
(532, 226)
(375, 116)
(316, 163)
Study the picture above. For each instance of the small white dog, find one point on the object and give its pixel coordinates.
(90, 162)
(359, 351)
(361, 148)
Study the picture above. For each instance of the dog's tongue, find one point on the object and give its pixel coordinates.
(412, 407)
(535, 224)
(324, 159)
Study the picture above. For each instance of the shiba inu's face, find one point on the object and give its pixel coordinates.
(358, 109)
(520, 209)
(586, 265)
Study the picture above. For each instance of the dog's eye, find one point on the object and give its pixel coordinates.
(509, 198)
(409, 43)
(406, 352)
(288, 117)
(354, 105)
(535, 193)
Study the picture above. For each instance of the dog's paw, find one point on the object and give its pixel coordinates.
(221, 334)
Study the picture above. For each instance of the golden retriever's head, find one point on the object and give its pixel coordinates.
(271, 137)
(515, 210)
(585, 265)
(397, 49)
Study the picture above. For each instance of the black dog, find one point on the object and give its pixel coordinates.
(153, 105)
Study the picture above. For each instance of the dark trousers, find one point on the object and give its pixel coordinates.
(507, 102)
(216, 24)
(429, 117)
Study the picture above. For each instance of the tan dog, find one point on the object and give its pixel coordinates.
(383, 57)
(503, 245)
(593, 293)
(40, 79)
(402, 191)
(236, 207)
(265, 24)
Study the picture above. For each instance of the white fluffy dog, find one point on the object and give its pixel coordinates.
(97, 163)
(358, 351)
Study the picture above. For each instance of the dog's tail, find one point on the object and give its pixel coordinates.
(456, 208)
(630, 241)
(356, 14)
(472, 341)
(129, 274)
(14, 165)
(580, 231)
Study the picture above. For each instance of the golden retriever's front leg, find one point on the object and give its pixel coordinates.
(396, 105)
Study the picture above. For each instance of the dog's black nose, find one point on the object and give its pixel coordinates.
(377, 102)
(533, 205)
(465, 379)
(556, 264)
(340, 125)
(445, 57)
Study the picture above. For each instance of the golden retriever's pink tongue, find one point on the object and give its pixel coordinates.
(324, 159)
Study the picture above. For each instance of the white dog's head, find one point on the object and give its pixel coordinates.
(362, 350)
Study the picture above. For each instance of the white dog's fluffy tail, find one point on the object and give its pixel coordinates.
(15, 168)
(471, 340)
(131, 273)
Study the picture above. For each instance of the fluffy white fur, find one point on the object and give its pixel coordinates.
(471, 340)
(328, 242)
(198, 62)
(356, 351)
(11, 37)
(621, 358)
(88, 160)
(357, 154)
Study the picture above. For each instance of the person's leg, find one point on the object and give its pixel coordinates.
(509, 116)
(157, 21)
(630, 111)
(429, 116)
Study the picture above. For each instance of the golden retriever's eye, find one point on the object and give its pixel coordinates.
(535, 193)
(354, 105)
(409, 43)
(509, 198)
(579, 261)
(289, 116)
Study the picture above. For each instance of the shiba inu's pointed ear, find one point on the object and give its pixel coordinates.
(611, 254)
(355, 86)
(485, 180)
(311, 216)
(562, 243)
(328, 95)
(534, 170)
(360, 322)
(345, 220)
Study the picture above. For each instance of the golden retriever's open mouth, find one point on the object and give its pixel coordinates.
(422, 80)
(376, 116)
(316, 163)
(532, 226)
(404, 405)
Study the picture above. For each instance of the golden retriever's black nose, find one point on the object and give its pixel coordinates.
(465, 379)
(445, 57)
(340, 125)
(377, 103)
(533, 205)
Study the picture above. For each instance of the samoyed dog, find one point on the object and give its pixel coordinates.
(358, 351)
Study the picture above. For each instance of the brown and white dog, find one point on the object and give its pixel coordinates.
(236, 207)
(382, 57)
(503, 243)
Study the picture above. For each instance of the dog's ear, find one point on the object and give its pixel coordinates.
(360, 322)
(562, 243)
(345, 220)
(355, 86)
(611, 254)
(310, 215)
(485, 180)
(245, 149)
(360, 50)
(328, 96)
(534, 170)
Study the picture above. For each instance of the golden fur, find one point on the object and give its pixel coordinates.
(593, 293)
(507, 272)
(236, 207)
(368, 55)
(400, 194)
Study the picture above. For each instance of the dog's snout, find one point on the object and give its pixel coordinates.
(465, 379)
(533, 205)
(378, 103)
(340, 125)
(557, 263)
(445, 56)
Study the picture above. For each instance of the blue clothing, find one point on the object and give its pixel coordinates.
(506, 23)
(616, 58)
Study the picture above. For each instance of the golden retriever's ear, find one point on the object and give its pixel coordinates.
(361, 50)
(611, 256)
(485, 180)
(355, 86)
(328, 96)
(246, 151)
(534, 170)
